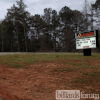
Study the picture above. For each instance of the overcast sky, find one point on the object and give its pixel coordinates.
(38, 6)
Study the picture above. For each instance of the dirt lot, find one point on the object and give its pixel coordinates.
(40, 81)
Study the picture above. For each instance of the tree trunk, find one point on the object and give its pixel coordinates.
(55, 42)
(17, 39)
(25, 39)
(2, 43)
(91, 20)
(2, 38)
(11, 45)
(76, 27)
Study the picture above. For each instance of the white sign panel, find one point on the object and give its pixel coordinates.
(84, 43)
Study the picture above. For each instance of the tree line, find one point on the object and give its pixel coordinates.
(51, 32)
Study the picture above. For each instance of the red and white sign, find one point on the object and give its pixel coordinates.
(87, 34)
(85, 40)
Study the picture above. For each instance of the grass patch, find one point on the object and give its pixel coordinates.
(85, 66)
(1, 62)
(79, 80)
(63, 70)
(75, 64)
(79, 65)
(15, 65)
(96, 55)
(92, 74)
(30, 58)
(87, 79)
(57, 56)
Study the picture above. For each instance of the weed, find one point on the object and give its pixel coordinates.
(84, 66)
(57, 56)
(79, 65)
(86, 73)
(79, 80)
(63, 70)
(76, 80)
(15, 65)
(91, 74)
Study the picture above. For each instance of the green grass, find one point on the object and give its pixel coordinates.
(79, 65)
(79, 80)
(29, 58)
(16, 65)
(96, 55)
(93, 74)
(88, 78)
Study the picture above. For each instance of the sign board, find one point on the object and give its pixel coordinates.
(85, 40)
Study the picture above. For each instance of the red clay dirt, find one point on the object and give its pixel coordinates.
(40, 81)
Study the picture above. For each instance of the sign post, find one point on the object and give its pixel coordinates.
(87, 40)
(87, 52)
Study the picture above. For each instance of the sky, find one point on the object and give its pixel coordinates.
(38, 6)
